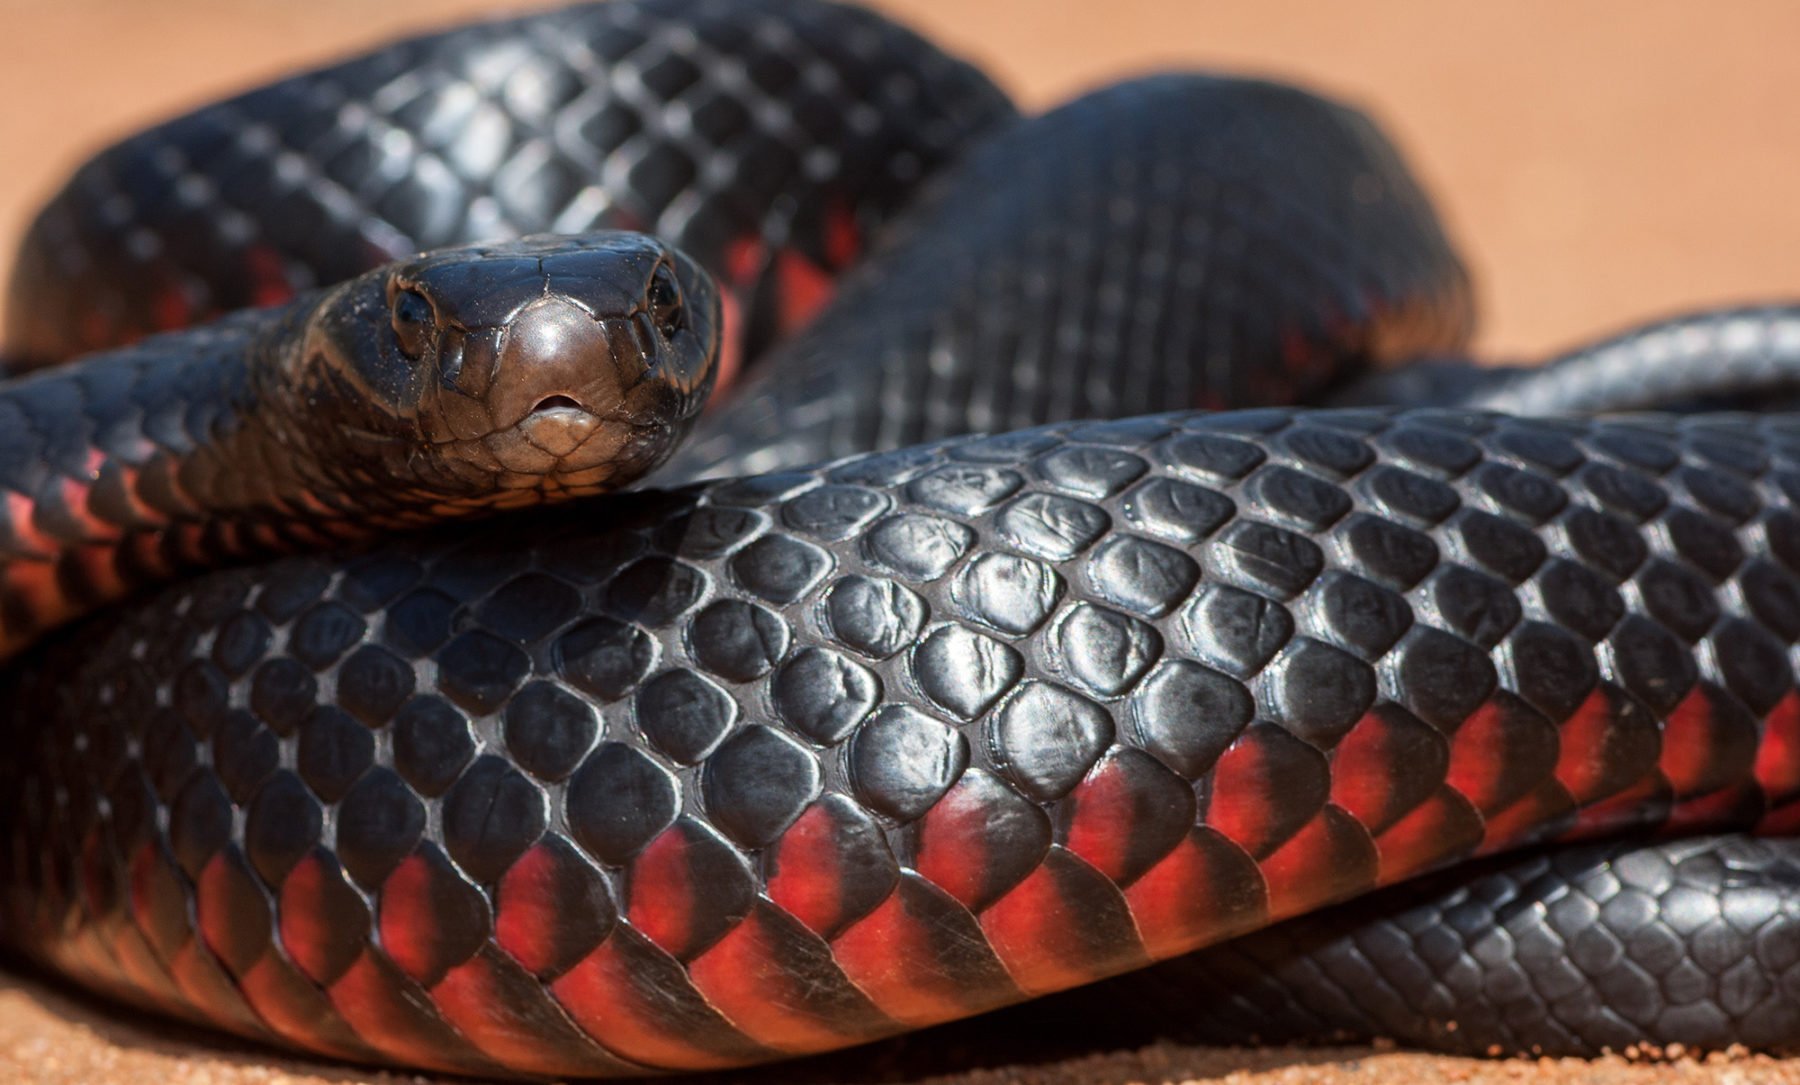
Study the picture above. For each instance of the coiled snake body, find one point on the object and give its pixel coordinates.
(782, 762)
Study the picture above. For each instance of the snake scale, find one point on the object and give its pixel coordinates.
(859, 719)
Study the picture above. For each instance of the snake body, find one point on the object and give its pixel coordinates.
(766, 140)
(773, 764)
(1172, 241)
(1744, 359)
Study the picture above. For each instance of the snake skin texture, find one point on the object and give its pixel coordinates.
(1577, 949)
(1745, 358)
(1742, 358)
(74, 493)
(770, 766)
(530, 371)
(1176, 241)
(833, 753)
(766, 138)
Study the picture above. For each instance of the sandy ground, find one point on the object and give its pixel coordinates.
(52, 1037)
(1599, 164)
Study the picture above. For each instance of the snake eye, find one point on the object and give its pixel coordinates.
(665, 301)
(412, 318)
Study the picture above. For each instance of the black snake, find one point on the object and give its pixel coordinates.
(835, 748)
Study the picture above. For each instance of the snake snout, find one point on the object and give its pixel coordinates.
(572, 391)
(559, 362)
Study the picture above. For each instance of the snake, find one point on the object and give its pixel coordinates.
(486, 376)
(1010, 626)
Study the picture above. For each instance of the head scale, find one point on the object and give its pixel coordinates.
(507, 373)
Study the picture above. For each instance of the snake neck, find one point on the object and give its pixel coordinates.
(134, 466)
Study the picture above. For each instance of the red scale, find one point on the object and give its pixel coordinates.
(605, 997)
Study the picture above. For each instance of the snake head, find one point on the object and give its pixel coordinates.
(508, 373)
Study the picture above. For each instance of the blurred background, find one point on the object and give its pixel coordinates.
(1598, 163)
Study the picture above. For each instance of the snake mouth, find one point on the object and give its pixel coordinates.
(558, 403)
(561, 411)
(560, 424)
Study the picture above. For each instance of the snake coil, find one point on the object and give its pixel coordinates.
(891, 724)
